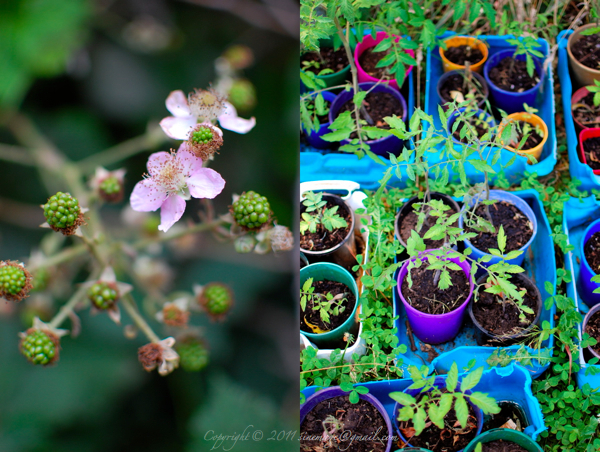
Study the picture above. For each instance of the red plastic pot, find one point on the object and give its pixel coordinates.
(594, 132)
(575, 99)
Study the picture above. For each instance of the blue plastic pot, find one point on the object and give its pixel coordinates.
(439, 382)
(489, 119)
(335, 391)
(322, 271)
(314, 136)
(509, 101)
(586, 273)
(505, 434)
(381, 146)
(523, 207)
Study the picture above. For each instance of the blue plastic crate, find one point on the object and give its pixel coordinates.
(545, 104)
(578, 170)
(577, 215)
(539, 265)
(319, 164)
(511, 383)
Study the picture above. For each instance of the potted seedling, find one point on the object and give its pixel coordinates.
(515, 76)
(331, 420)
(326, 62)
(440, 413)
(526, 136)
(585, 106)
(470, 124)
(327, 229)
(458, 52)
(462, 85)
(589, 281)
(314, 113)
(584, 54)
(503, 439)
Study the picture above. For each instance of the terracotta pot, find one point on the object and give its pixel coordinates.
(582, 74)
(461, 41)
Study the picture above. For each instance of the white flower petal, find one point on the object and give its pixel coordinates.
(230, 120)
(177, 104)
(171, 211)
(178, 128)
(205, 183)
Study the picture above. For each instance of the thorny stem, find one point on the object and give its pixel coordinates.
(131, 308)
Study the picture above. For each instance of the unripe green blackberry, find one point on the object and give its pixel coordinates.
(103, 294)
(111, 189)
(251, 211)
(217, 300)
(15, 281)
(242, 95)
(204, 141)
(40, 347)
(63, 213)
(202, 135)
(193, 354)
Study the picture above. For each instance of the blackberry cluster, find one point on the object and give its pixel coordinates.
(251, 210)
(216, 299)
(202, 135)
(39, 348)
(12, 279)
(193, 354)
(62, 211)
(103, 295)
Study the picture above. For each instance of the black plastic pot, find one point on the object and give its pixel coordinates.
(484, 87)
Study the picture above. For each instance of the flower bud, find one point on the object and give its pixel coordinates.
(239, 56)
(244, 244)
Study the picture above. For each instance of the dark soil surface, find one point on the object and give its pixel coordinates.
(378, 106)
(502, 318)
(587, 51)
(313, 317)
(593, 329)
(517, 227)
(591, 149)
(481, 128)
(361, 419)
(511, 75)
(452, 438)
(532, 140)
(587, 116)
(425, 296)
(369, 59)
(336, 60)
(409, 223)
(501, 445)
(458, 83)
(591, 249)
(510, 412)
(463, 54)
(324, 239)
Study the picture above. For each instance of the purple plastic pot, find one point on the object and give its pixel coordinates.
(381, 146)
(439, 382)
(429, 328)
(335, 391)
(586, 286)
(314, 136)
(587, 318)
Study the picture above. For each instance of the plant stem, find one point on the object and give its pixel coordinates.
(68, 307)
(65, 255)
(131, 308)
(200, 227)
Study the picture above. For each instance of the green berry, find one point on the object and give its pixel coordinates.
(61, 211)
(193, 355)
(217, 299)
(202, 135)
(242, 95)
(251, 210)
(110, 186)
(12, 279)
(103, 295)
(38, 347)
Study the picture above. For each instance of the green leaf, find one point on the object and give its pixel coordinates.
(461, 409)
(485, 402)
(353, 397)
(452, 379)
(403, 398)
(501, 239)
(419, 420)
(471, 379)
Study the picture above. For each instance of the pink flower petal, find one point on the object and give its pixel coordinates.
(178, 128)
(146, 196)
(177, 104)
(212, 126)
(205, 183)
(230, 120)
(157, 161)
(190, 163)
(170, 212)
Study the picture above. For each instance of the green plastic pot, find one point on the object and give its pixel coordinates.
(337, 78)
(322, 271)
(506, 434)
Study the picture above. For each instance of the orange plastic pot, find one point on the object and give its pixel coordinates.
(461, 41)
(534, 120)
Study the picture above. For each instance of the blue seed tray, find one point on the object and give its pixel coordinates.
(511, 383)
(577, 215)
(544, 103)
(540, 265)
(578, 170)
(320, 164)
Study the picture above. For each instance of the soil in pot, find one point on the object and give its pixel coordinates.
(408, 223)
(480, 126)
(368, 61)
(592, 252)
(336, 60)
(339, 415)
(452, 438)
(501, 445)
(313, 317)
(587, 51)
(511, 75)
(463, 54)
(425, 296)
(517, 227)
(377, 105)
(458, 86)
(520, 129)
(591, 149)
(585, 112)
(324, 239)
(593, 329)
(500, 318)
(511, 415)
